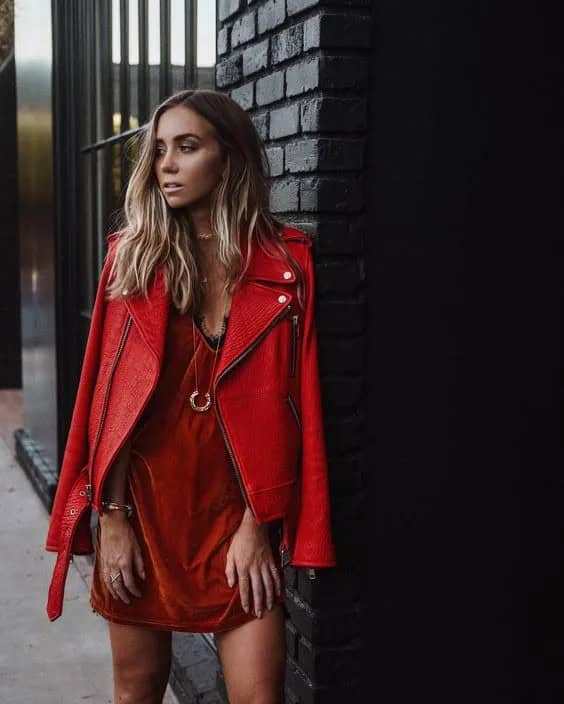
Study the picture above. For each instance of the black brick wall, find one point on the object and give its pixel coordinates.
(300, 67)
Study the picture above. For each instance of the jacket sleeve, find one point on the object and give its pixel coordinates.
(76, 455)
(313, 546)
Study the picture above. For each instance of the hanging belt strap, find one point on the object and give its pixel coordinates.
(77, 504)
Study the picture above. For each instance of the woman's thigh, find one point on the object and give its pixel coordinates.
(253, 659)
(141, 660)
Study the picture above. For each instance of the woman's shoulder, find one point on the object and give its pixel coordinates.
(292, 234)
(112, 239)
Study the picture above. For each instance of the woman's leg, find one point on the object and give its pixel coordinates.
(253, 658)
(141, 661)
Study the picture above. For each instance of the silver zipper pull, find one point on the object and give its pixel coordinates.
(311, 573)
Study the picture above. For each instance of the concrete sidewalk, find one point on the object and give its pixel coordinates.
(41, 662)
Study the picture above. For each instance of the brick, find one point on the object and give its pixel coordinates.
(341, 317)
(331, 194)
(330, 114)
(223, 41)
(291, 639)
(271, 15)
(342, 393)
(255, 58)
(261, 121)
(290, 577)
(340, 237)
(287, 44)
(284, 121)
(296, 6)
(226, 8)
(284, 195)
(270, 88)
(331, 665)
(228, 71)
(276, 160)
(298, 682)
(333, 585)
(344, 434)
(343, 73)
(325, 155)
(243, 29)
(302, 77)
(244, 95)
(290, 697)
(327, 624)
(337, 31)
(345, 355)
(341, 277)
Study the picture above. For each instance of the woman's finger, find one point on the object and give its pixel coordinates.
(107, 572)
(276, 576)
(138, 561)
(244, 589)
(120, 589)
(129, 580)
(268, 584)
(230, 572)
(258, 591)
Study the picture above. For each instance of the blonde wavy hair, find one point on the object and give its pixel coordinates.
(151, 232)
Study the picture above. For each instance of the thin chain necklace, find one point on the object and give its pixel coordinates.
(195, 393)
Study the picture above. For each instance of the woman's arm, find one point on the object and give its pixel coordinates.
(116, 481)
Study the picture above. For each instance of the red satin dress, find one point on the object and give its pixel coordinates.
(187, 503)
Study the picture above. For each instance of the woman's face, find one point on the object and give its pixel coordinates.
(188, 161)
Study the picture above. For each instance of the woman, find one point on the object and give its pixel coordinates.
(197, 429)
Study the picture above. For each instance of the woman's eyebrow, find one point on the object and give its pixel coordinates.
(178, 137)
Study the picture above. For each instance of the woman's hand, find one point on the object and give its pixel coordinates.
(119, 551)
(250, 558)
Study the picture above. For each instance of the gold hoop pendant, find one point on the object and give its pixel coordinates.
(195, 406)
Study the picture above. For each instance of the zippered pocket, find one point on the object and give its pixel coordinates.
(294, 410)
(294, 348)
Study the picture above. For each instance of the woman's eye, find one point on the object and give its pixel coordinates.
(186, 147)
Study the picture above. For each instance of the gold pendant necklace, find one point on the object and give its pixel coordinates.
(194, 395)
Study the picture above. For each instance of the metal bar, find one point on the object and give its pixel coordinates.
(190, 42)
(111, 140)
(164, 69)
(143, 69)
(124, 91)
(104, 165)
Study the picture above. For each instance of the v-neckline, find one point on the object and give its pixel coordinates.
(206, 340)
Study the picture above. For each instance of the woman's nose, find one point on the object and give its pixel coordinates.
(167, 163)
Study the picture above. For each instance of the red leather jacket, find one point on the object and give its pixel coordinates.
(267, 395)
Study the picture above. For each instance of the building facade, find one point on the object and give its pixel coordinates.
(88, 76)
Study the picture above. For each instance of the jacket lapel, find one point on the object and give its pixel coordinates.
(256, 304)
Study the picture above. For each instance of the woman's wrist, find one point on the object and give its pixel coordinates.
(113, 506)
(113, 517)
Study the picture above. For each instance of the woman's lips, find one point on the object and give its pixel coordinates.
(172, 189)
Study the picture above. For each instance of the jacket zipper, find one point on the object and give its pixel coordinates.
(294, 410)
(295, 334)
(236, 361)
(106, 399)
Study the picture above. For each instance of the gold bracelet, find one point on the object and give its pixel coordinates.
(114, 506)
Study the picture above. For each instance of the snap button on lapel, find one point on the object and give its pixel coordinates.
(287, 274)
(282, 299)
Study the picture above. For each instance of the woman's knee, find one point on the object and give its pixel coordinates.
(141, 664)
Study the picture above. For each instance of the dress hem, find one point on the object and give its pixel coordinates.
(201, 627)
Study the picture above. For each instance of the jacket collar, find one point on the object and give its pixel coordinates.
(256, 303)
